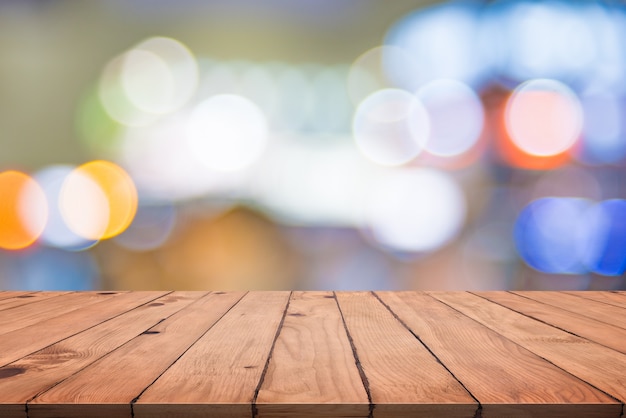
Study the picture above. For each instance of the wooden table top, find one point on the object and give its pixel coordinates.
(312, 354)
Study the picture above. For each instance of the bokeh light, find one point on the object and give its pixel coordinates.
(227, 132)
(23, 210)
(573, 236)
(159, 75)
(543, 120)
(164, 167)
(456, 117)
(314, 184)
(550, 39)
(98, 200)
(56, 232)
(114, 99)
(553, 234)
(415, 210)
(413, 146)
(443, 40)
(391, 127)
(608, 241)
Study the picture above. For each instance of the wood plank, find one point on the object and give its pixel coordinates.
(312, 371)
(404, 378)
(26, 315)
(220, 373)
(5, 294)
(106, 387)
(275, 355)
(597, 365)
(23, 341)
(583, 326)
(507, 380)
(39, 371)
(590, 308)
(610, 298)
(26, 298)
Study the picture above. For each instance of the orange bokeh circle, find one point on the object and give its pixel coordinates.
(23, 210)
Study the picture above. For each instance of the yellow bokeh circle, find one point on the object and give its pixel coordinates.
(98, 200)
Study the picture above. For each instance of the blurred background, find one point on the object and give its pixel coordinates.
(354, 144)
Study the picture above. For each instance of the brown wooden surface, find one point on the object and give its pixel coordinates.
(612, 298)
(575, 323)
(312, 345)
(117, 378)
(11, 294)
(506, 378)
(590, 308)
(219, 375)
(595, 364)
(312, 354)
(23, 298)
(402, 375)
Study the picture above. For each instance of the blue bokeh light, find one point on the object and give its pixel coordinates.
(552, 235)
(609, 256)
(573, 236)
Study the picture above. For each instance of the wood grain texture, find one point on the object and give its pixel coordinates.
(311, 354)
(220, 373)
(595, 364)
(120, 376)
(593, 309)
(94, 310)
(15, 294)
(6, 294)
(37, 372)
(27, 297)
(507, 379)
(312, 372)
(611, 298)
(28, 314)
(403, 377)
(583, 326)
